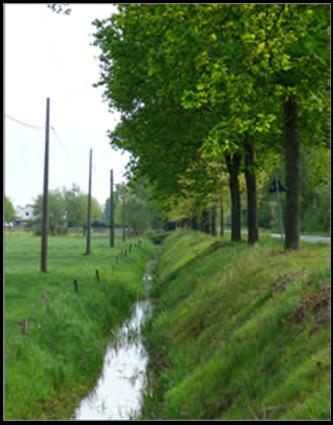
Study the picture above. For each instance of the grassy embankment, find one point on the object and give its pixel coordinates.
(48, 370)
(239, 332)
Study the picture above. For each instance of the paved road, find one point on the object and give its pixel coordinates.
(313, 239)
(306, 238)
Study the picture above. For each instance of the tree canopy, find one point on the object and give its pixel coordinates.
(205, 84)
(9, 210)
(67, 208)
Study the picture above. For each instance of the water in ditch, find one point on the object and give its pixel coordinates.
(118, 392)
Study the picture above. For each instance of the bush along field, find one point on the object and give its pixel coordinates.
(56, 330)
(238, 332)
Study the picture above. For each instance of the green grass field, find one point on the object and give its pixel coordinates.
(239, 332)
(48, 370)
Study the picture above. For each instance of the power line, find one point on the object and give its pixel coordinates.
(36, 127)
(72, 160)
(97, 175)
(43, 128)
(65, 150)
(80, 166)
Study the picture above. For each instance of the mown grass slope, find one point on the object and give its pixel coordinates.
(48, 370)
(238, 332)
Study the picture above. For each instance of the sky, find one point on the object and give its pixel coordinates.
(50, 55)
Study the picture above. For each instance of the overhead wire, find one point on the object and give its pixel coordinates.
(54, 132)
(75, 162)
(60, 143)
(97, 175)
(36, 127)
(65, 150)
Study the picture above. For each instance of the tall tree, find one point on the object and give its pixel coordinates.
(9, 210)
(251, 187)
(290, 45)
(56, 212)
(76, 208)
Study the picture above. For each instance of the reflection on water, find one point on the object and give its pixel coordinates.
(117, 394)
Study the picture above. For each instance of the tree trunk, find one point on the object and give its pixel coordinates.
(291, 151)
(213, 221)
(250, 177)
(233, 163)
(221, 218)
(205, 221)
(194, 223)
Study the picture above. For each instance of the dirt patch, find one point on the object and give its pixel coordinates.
(283, 281)
(316, 305)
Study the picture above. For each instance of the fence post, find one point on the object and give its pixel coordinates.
(45, 299)
(24, 326)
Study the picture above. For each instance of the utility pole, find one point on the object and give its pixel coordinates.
(123, 216)
(89, 206)
(44, 228)
(111, 210)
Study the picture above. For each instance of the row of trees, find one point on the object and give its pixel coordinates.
(68, 208)
(133, 208)
(208, 92)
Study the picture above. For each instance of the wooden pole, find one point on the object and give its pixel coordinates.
(24, 327)
(76, 285)
(89, 206)
(111, 210)
(123, 217)
(45, 299)
(44, 227)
